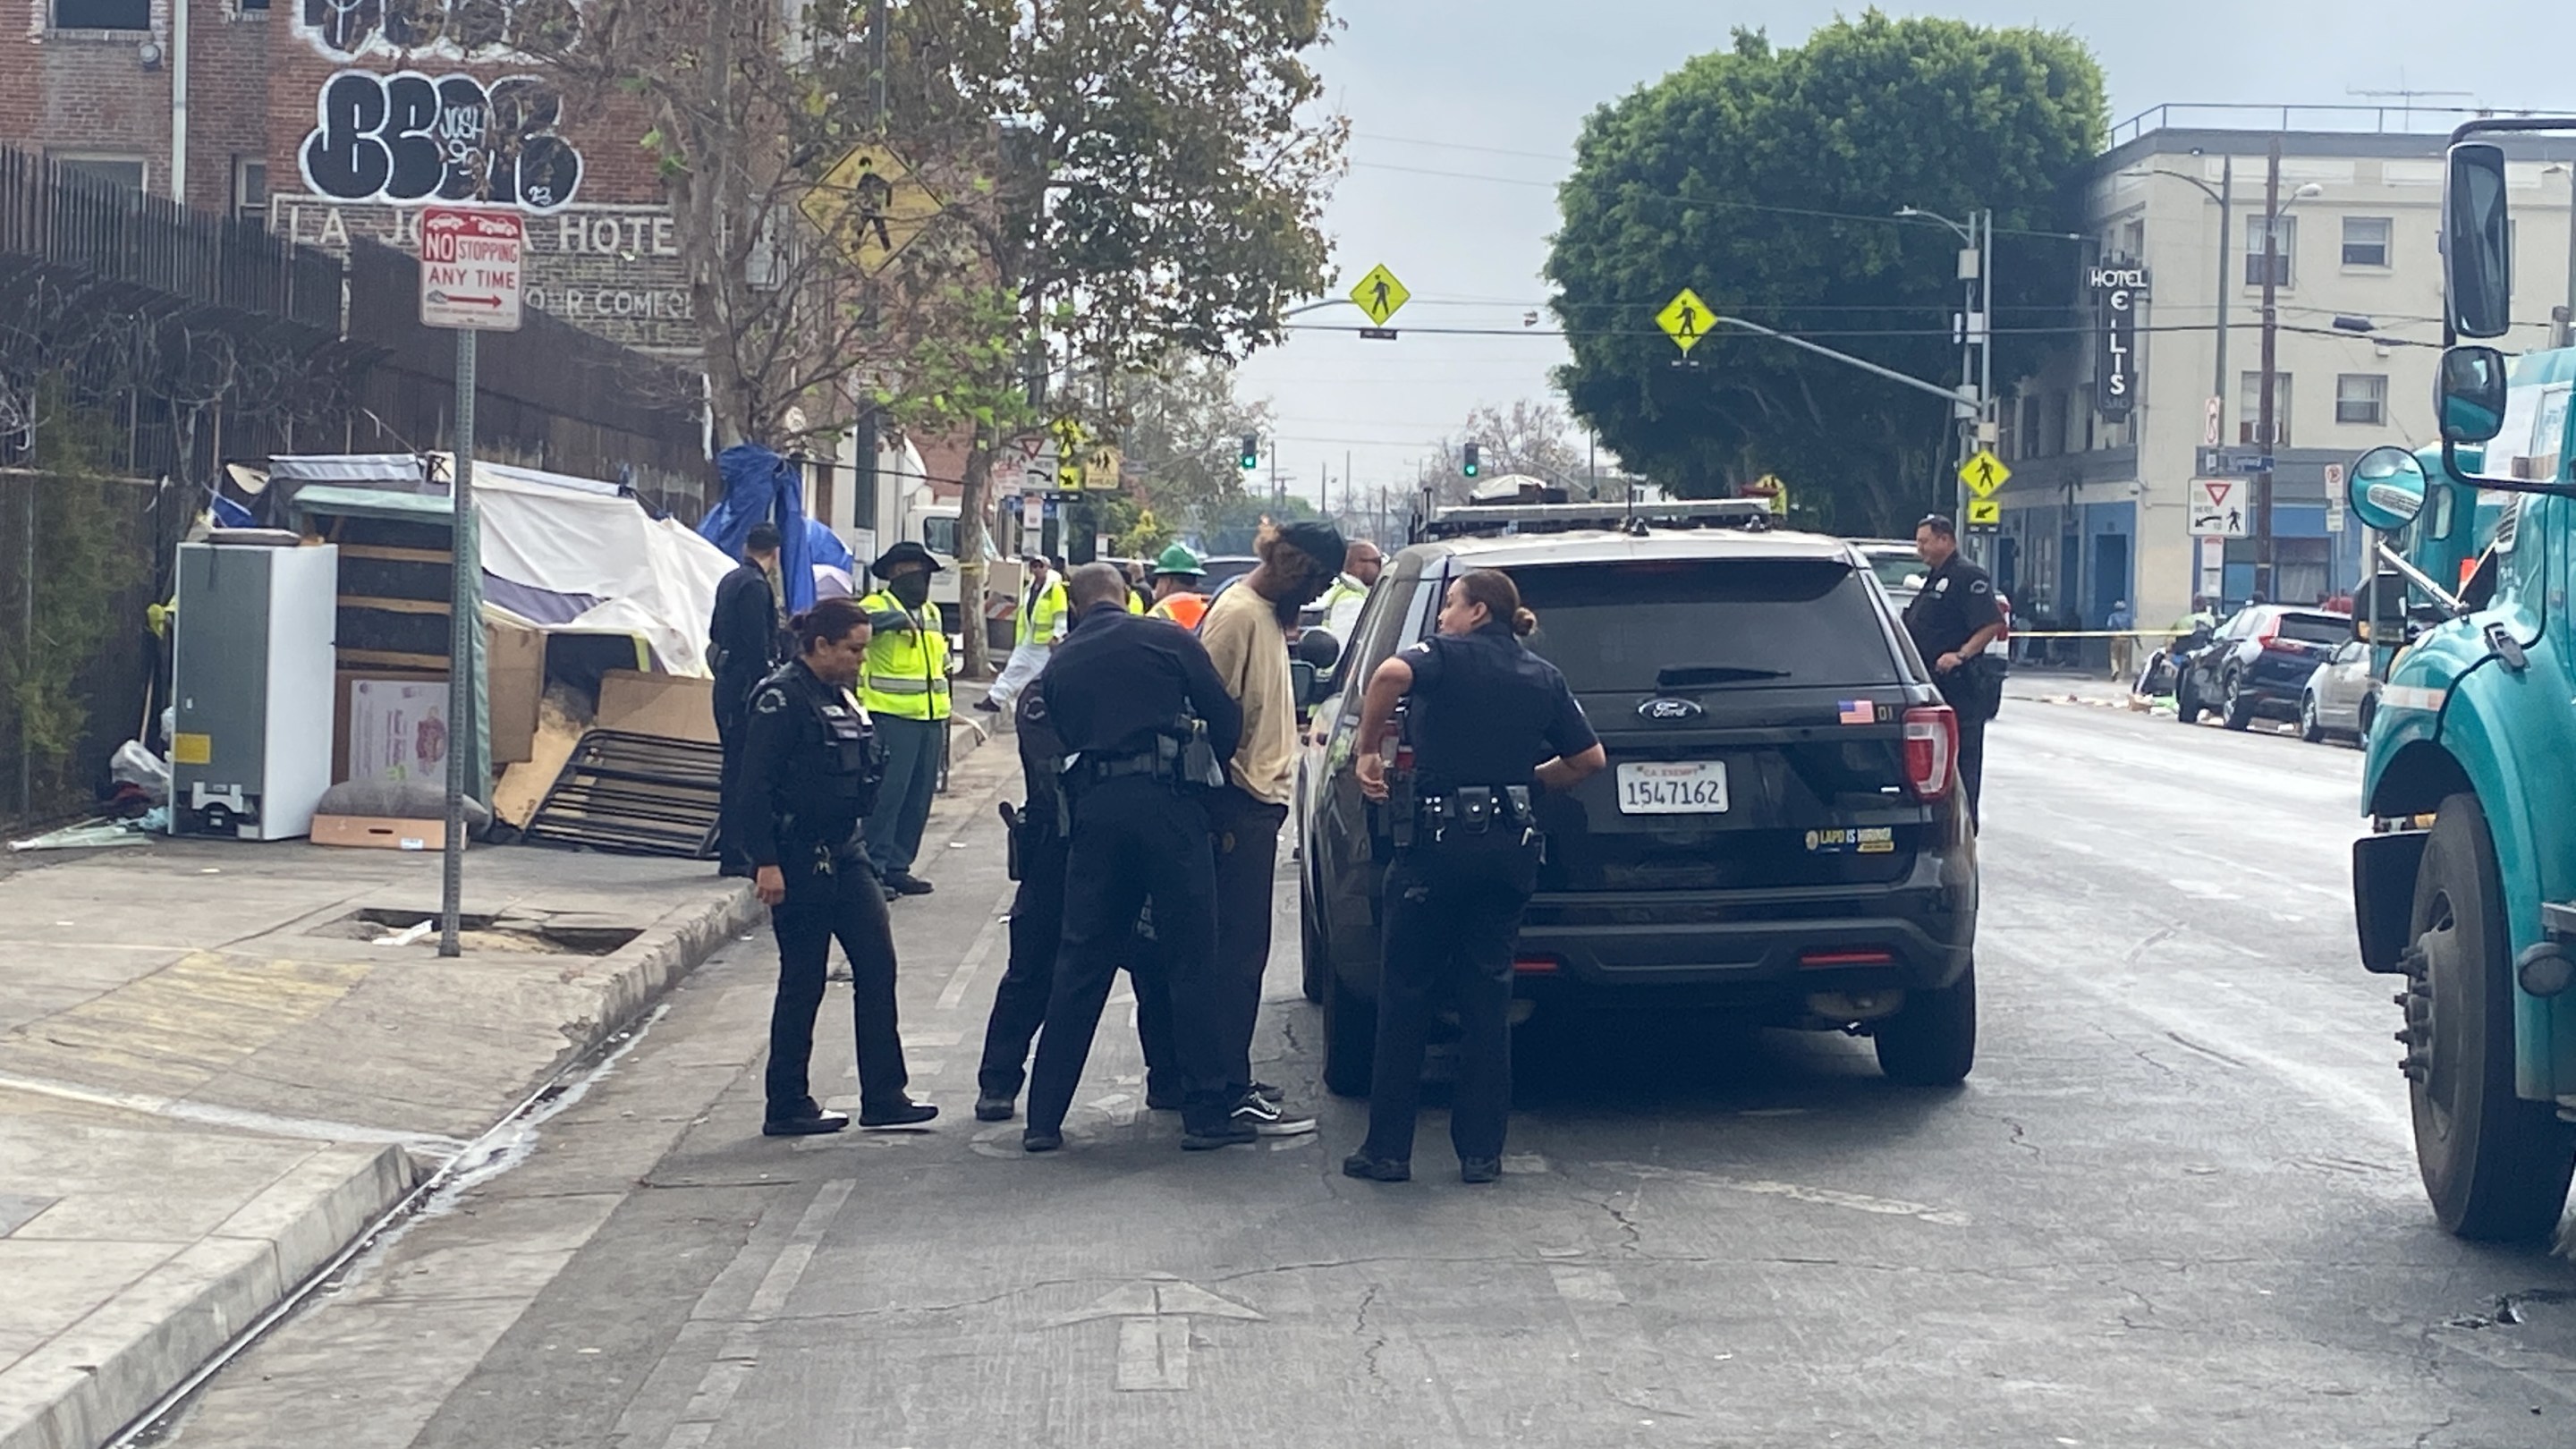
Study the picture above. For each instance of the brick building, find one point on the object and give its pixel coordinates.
(329, 119)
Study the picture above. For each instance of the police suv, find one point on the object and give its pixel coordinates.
(1780, 833)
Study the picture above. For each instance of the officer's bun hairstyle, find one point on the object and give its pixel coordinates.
(1501, 597)
(828, 622)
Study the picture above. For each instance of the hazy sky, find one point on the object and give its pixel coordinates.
(1491, 93)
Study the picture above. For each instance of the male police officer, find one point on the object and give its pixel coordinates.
(904, 684)
(1952, 620)
(743, 645)
(1121, 692)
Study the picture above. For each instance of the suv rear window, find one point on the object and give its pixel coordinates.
(1653, 624)
(2316, 628)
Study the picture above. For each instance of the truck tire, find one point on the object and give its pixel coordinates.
(1317, 966)
(2235, 710)
(1350, 1038)
(1931, 1041)
(2495, 1166)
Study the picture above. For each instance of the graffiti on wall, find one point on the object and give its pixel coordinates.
(407, 137)
(348, 29)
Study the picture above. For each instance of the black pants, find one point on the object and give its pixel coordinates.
(846, 902)
(733, 711)
(1972, 760)
(1247, 859)
(1452, 914)
(1020, 1004)
(1134, 840)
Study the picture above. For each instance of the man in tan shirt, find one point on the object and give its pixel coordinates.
(1245, 632)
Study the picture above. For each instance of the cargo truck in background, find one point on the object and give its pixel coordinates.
(902, 504)
(2464, 890)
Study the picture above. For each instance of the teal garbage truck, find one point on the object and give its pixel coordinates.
(2464, 890)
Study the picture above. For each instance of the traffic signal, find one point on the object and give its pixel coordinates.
(1472, 463)
(1251, 458)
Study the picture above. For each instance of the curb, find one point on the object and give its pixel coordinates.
(114, 1367)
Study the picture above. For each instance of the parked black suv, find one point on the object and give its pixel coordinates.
(2257, 664)
(1780, 831)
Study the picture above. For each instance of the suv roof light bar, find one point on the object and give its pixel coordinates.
(1752, 515)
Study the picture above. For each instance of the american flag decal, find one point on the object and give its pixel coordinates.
(1858, 712)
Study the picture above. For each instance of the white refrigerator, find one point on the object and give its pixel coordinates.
(251, 672)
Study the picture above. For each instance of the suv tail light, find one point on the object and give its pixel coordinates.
(1931, 750)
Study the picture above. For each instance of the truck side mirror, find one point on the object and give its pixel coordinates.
(2469, 394)
(2477, 243)
(2385, 488)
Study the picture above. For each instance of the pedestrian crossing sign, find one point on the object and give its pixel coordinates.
(1686, 320)
(1985, 512)
(1380, 295)
(1983, 474)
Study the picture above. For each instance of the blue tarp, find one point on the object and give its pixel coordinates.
(762, 487)
(824, 547)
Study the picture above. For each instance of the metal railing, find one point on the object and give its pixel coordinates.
(118, 234)
(2401, 118)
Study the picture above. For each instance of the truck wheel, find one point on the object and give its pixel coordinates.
(2235, 711)
(2495, 1166)
(1317, 967)
(2186, 703)
(1931, 1041)
(1350, 1038)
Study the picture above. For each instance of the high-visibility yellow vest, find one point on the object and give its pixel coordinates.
(905, 673)
(1134, 605)
(1043, 619)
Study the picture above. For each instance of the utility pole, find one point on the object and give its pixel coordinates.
(2264, 430)
(2226, 220)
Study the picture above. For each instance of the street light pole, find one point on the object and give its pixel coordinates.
(2226, 221)
(2264, 429)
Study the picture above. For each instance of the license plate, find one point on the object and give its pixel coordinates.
(1697, 788)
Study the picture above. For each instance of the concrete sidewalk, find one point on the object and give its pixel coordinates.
(212, 1079)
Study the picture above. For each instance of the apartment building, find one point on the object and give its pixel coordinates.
(2102, 505)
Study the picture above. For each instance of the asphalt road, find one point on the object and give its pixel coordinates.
(2176, 1205)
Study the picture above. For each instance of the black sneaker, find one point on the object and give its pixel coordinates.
(1267, 1118)
(1271, 1093)
(1377, 1169)
(905, 883)
(988, 707)
(996, 1108)
(1479, 1169)
(814, 1126)
(1227, 1134)
(1038, 1139)
(902, 1114)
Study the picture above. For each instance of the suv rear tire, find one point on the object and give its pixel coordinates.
(1350, 1038)
(1931, 1041)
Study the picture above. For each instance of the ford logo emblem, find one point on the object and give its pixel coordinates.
(1670, 709)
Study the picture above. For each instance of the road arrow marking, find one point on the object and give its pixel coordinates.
(1154, 1328)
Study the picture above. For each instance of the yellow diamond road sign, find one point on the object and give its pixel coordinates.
(871, 205)
(1685, 320)
(1380, 295)
(1984, 473)
(1985, 512)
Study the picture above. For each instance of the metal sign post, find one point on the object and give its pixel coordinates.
(470, 276)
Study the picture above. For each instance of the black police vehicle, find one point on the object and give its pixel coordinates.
(1780, 831)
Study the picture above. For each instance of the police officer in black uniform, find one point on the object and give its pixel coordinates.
(1039, 847)
(809, 775)
(743, 646)
(1492, 725)
(1123, 691)
(1952, 621)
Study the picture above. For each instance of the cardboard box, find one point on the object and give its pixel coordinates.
(514, 667)
(397, 729)
(379, 833)
(671, 706)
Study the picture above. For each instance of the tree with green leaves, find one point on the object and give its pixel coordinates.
(1766, 179)
(1158, 176)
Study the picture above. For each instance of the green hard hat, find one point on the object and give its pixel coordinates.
(1179, 560)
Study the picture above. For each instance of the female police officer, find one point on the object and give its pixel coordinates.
(1485, 713)
(809, 775)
